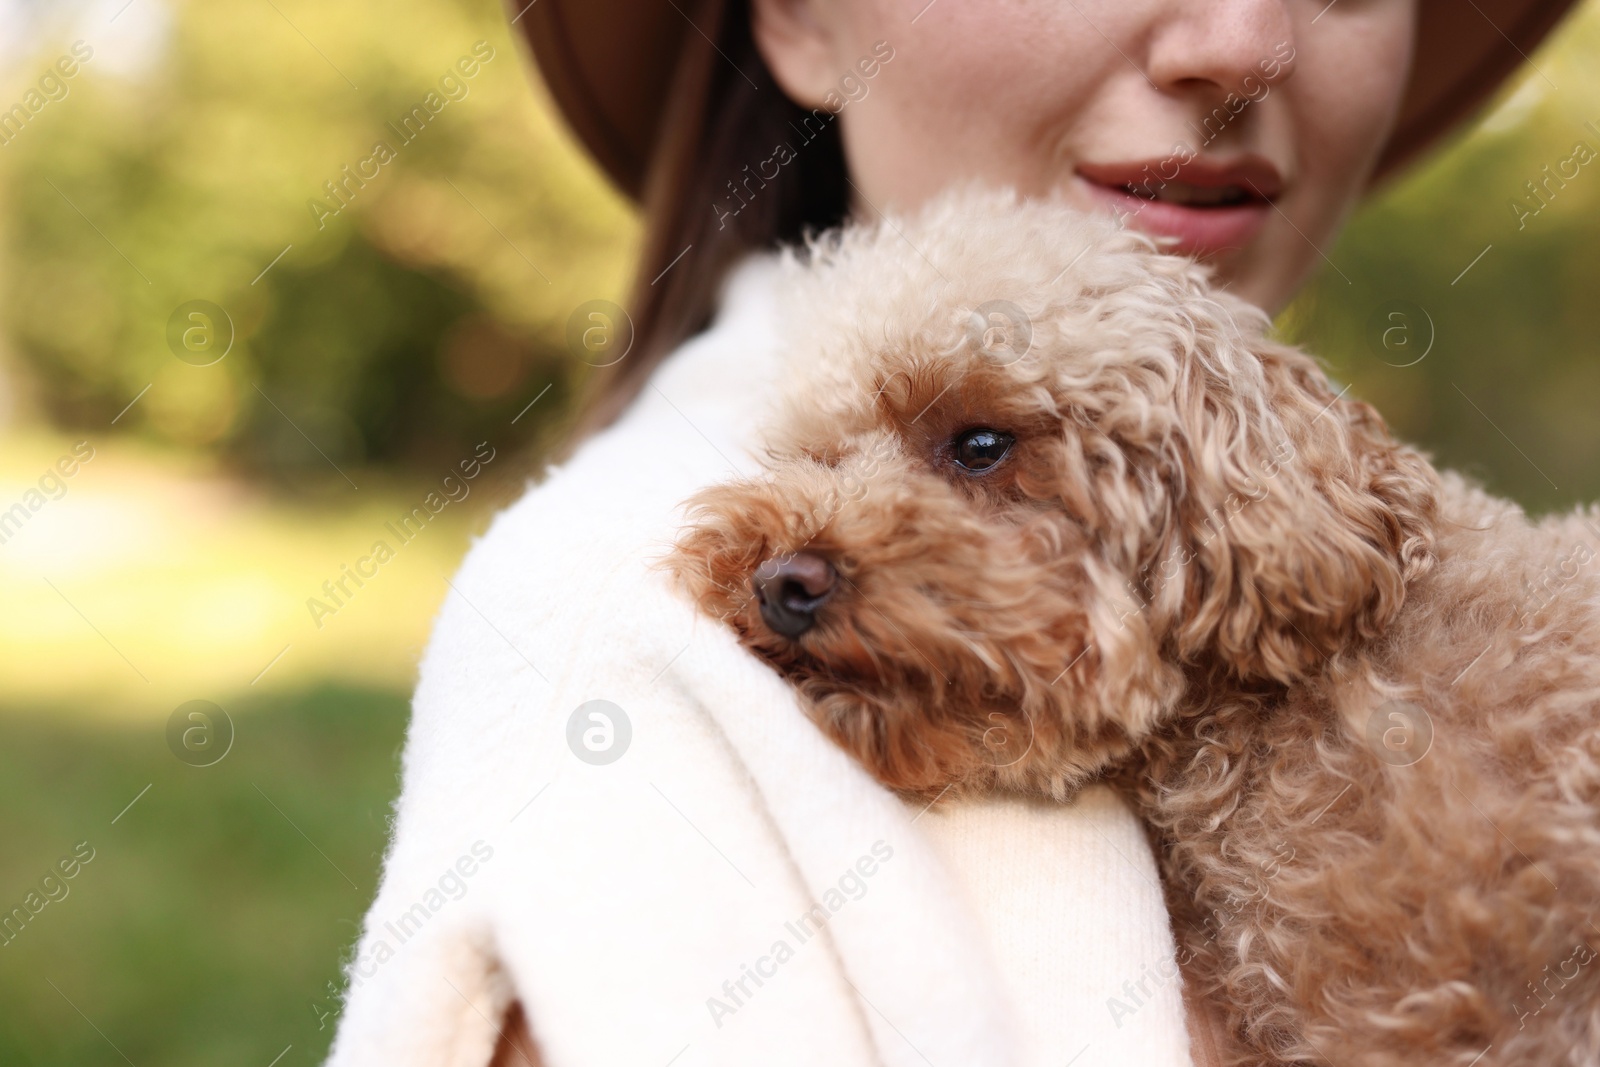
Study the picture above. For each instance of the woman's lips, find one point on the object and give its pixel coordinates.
(1205, 207)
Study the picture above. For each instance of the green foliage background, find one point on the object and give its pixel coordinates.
(418, 321)
(204, 930)
(1509, 391)
(391, 332)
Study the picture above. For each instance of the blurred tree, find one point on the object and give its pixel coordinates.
(431, 308)
(373, 193)
(1507, 391)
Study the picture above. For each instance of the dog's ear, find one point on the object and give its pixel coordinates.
(1291, 520)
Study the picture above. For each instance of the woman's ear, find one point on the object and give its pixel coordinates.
(794, 39)
(1298, 520)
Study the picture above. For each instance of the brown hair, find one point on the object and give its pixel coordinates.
(708, 198)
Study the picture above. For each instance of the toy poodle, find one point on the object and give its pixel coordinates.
(1043, 506)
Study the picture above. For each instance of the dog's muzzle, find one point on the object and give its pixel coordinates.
(791, 589)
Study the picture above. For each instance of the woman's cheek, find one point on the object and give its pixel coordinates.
(978, 93)
(1346, 94)
(1338, 109)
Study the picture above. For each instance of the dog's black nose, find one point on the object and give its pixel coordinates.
(791, 589)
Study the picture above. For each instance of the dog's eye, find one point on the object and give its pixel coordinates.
(980, 449)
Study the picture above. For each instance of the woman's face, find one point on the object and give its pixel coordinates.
(1242, 129)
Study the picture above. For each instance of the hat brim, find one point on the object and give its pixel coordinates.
(608, 65)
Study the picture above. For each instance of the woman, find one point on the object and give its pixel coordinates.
(618, 839)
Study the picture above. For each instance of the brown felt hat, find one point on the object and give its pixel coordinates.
(609, 65)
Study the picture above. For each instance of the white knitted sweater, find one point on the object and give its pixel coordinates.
(731, 888)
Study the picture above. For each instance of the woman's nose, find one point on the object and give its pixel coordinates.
(1217, 44)
(791, 589)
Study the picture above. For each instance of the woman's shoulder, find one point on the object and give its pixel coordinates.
(575, 554)
(574, 558)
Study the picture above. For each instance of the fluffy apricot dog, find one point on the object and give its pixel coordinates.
(1043, 506)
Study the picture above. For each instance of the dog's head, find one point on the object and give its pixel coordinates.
(1039, 478)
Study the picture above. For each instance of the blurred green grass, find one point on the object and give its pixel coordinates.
(206, 929)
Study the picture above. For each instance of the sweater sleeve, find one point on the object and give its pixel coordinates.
(613, 813)
(632, 880)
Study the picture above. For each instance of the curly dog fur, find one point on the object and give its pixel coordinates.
(1354, 698)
